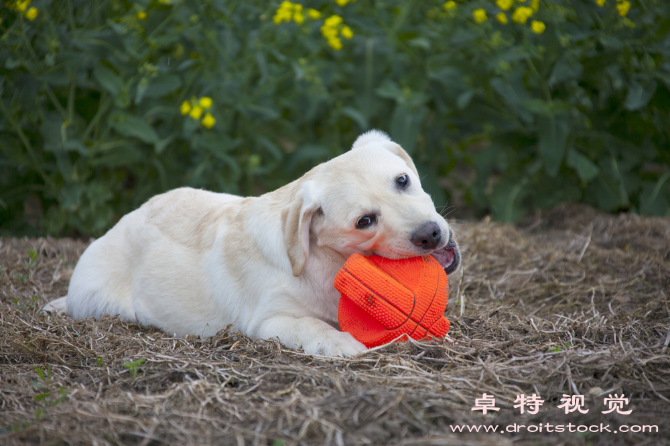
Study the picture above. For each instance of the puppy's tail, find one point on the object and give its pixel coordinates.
(55, 306)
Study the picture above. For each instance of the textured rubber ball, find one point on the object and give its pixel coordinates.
(382, 299)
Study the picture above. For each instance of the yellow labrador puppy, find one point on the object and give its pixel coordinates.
(191, 262)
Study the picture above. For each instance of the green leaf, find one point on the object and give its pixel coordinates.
(553, 134)
(162, 86)
(161, 144)
(216, 144)
(639, 95)
(11, 63)
(464, 99)
(506, 200)
(514, 95)
(141, 89)
(664, 77)
(271, 147)
(389, 90)
(611, 42)
(70, 197)
(136, 127)
(75, 145)
(308, 152)
(109, 80)
(65, 166)
(652, 199)
(51, 132)
(607, 195)
(406, 125)
(567, 68)
(586, 169)
(259, 112)
(357, 116)
(420, 42)
(134, 366)
(124, 155)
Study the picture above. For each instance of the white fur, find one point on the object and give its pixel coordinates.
(192, 262)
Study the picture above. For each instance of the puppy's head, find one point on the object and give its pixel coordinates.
(370, 201)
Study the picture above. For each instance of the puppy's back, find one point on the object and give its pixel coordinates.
(106, 273)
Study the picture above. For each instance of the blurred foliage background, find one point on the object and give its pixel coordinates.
(506, 106)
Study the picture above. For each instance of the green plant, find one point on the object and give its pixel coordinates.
(49, 396)
(134, 366)
(21, 277)
(32, 263)
(570, 105)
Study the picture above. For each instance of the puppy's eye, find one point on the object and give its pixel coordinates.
(366, 221)
(402, 181)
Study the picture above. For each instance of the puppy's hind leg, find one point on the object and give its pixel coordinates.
(55, 306)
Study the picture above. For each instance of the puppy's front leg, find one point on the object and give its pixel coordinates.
(315, 336)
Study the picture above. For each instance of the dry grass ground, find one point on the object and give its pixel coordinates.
(571, 302)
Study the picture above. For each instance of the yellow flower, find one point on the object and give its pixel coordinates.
(328, 32)
(288, 11)
(208, 121)
(196, 112)
(31, 13)
(600, 2)
(479, 15)
(141, 15)
(623, 8)
(449, 5)
(205, 102)
(504, 4)
(282, 15)
(333, 20)
(333, 26)
(335, 43)
(535, 5)
(537, 27)
(521, 14)
(22, 5)
(502, 18)
(341, 2)
(185, 108)
(313, 14)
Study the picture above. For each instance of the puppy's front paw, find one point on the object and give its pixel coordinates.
(334, 344)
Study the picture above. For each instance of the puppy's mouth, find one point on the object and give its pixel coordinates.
(448, 257)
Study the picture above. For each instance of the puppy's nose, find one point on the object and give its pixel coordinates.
(427, 236)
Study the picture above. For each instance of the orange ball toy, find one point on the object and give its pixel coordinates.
(383, 298)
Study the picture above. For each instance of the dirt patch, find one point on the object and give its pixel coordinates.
(571, 302)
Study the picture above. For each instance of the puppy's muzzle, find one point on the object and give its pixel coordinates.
(427, 236)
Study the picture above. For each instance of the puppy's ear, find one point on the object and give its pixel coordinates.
(395, 148)
(296, 221)
(381, 138)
